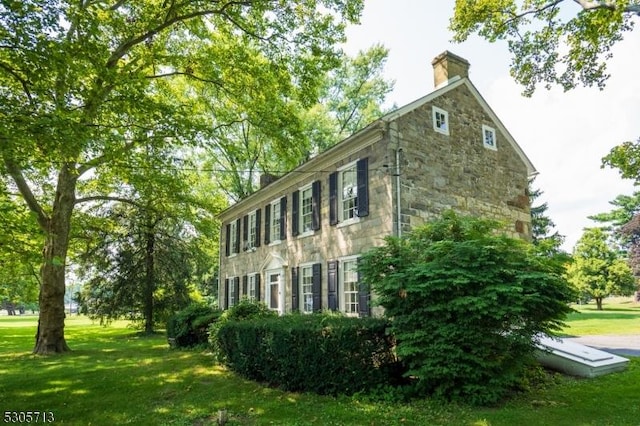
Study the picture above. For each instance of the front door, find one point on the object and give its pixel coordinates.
(275, 290)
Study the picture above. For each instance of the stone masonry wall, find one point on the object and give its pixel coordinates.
(456, 171)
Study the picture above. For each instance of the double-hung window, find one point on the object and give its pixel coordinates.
(349, 192)
(305, 211)
(233, 237)
(251, 230)
(348, 184)
(306, 289)
(344, 290)
(275, 221)
(232, 285)
(349, 286)
(253, 287)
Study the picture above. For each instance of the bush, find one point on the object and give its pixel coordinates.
(466, 304)
(317, 353)
(188, 328)
(245, 309)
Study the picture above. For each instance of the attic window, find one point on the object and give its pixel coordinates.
(489, 137)
(440, 121)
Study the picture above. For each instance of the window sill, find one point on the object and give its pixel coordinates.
(348, 222)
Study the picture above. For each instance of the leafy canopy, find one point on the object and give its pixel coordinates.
(597, 271)
(552, 42)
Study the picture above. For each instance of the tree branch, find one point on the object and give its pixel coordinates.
(23, 82)
(24, 188)
(109, 198)
(95, 162)
(126, 46)
(601, 4)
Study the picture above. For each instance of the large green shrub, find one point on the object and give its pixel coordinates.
(466, 304)
(317, 353)
(188, 328)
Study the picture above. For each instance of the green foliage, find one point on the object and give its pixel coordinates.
(316, 353)
(597, 271)
(189, 327)
(91, 88)
(466, 303)
(550, 43)
(245, 309)
(542, 225)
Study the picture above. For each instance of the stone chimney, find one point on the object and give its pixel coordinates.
(267, 179)
(446, 66)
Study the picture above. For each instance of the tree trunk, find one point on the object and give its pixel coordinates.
(50, 334)
(599, 303)
(149, 280)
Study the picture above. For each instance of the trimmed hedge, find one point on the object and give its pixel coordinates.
(317, 353)
(188, 328)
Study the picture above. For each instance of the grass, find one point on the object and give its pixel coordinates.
(114, 376)
(619, 316)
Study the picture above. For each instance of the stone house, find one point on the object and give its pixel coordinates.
(295, 243)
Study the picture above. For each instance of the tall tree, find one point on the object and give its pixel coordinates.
(541, 225)
(551, 41)
(77, 76)
(597, 270)
(350, 97)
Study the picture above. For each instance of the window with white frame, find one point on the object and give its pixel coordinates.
(440, 120)
(253, 229)
(233, 237)
(306, 289)
(489, 137)
(348, 193)
(233, 287)
(274, 221)
(252, 287)
(349, 286)
(306, 209)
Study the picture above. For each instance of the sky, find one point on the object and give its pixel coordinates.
(564, 134)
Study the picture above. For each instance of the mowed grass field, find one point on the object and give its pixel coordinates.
(113, 376)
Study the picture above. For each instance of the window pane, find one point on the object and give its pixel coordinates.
(307, 289)
(349, 193)
(350, 286)
(306, 210)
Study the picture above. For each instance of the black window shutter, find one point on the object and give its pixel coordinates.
(295, 213)
(227, 240)
(283, 218)
(237, 247)
(245, 232)
(333, 198)
(363, 187)
(332, 285)
(315, 205)
(257, 280)
(236, 288)
(267, 223)
(295, 282)
(256, 243)
(245, 282)
(316, 286)
(364, 295)
(226, 294)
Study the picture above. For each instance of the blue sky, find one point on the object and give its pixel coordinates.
(564, 134)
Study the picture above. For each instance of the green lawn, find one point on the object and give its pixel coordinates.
(114, 377)
(619, 316)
